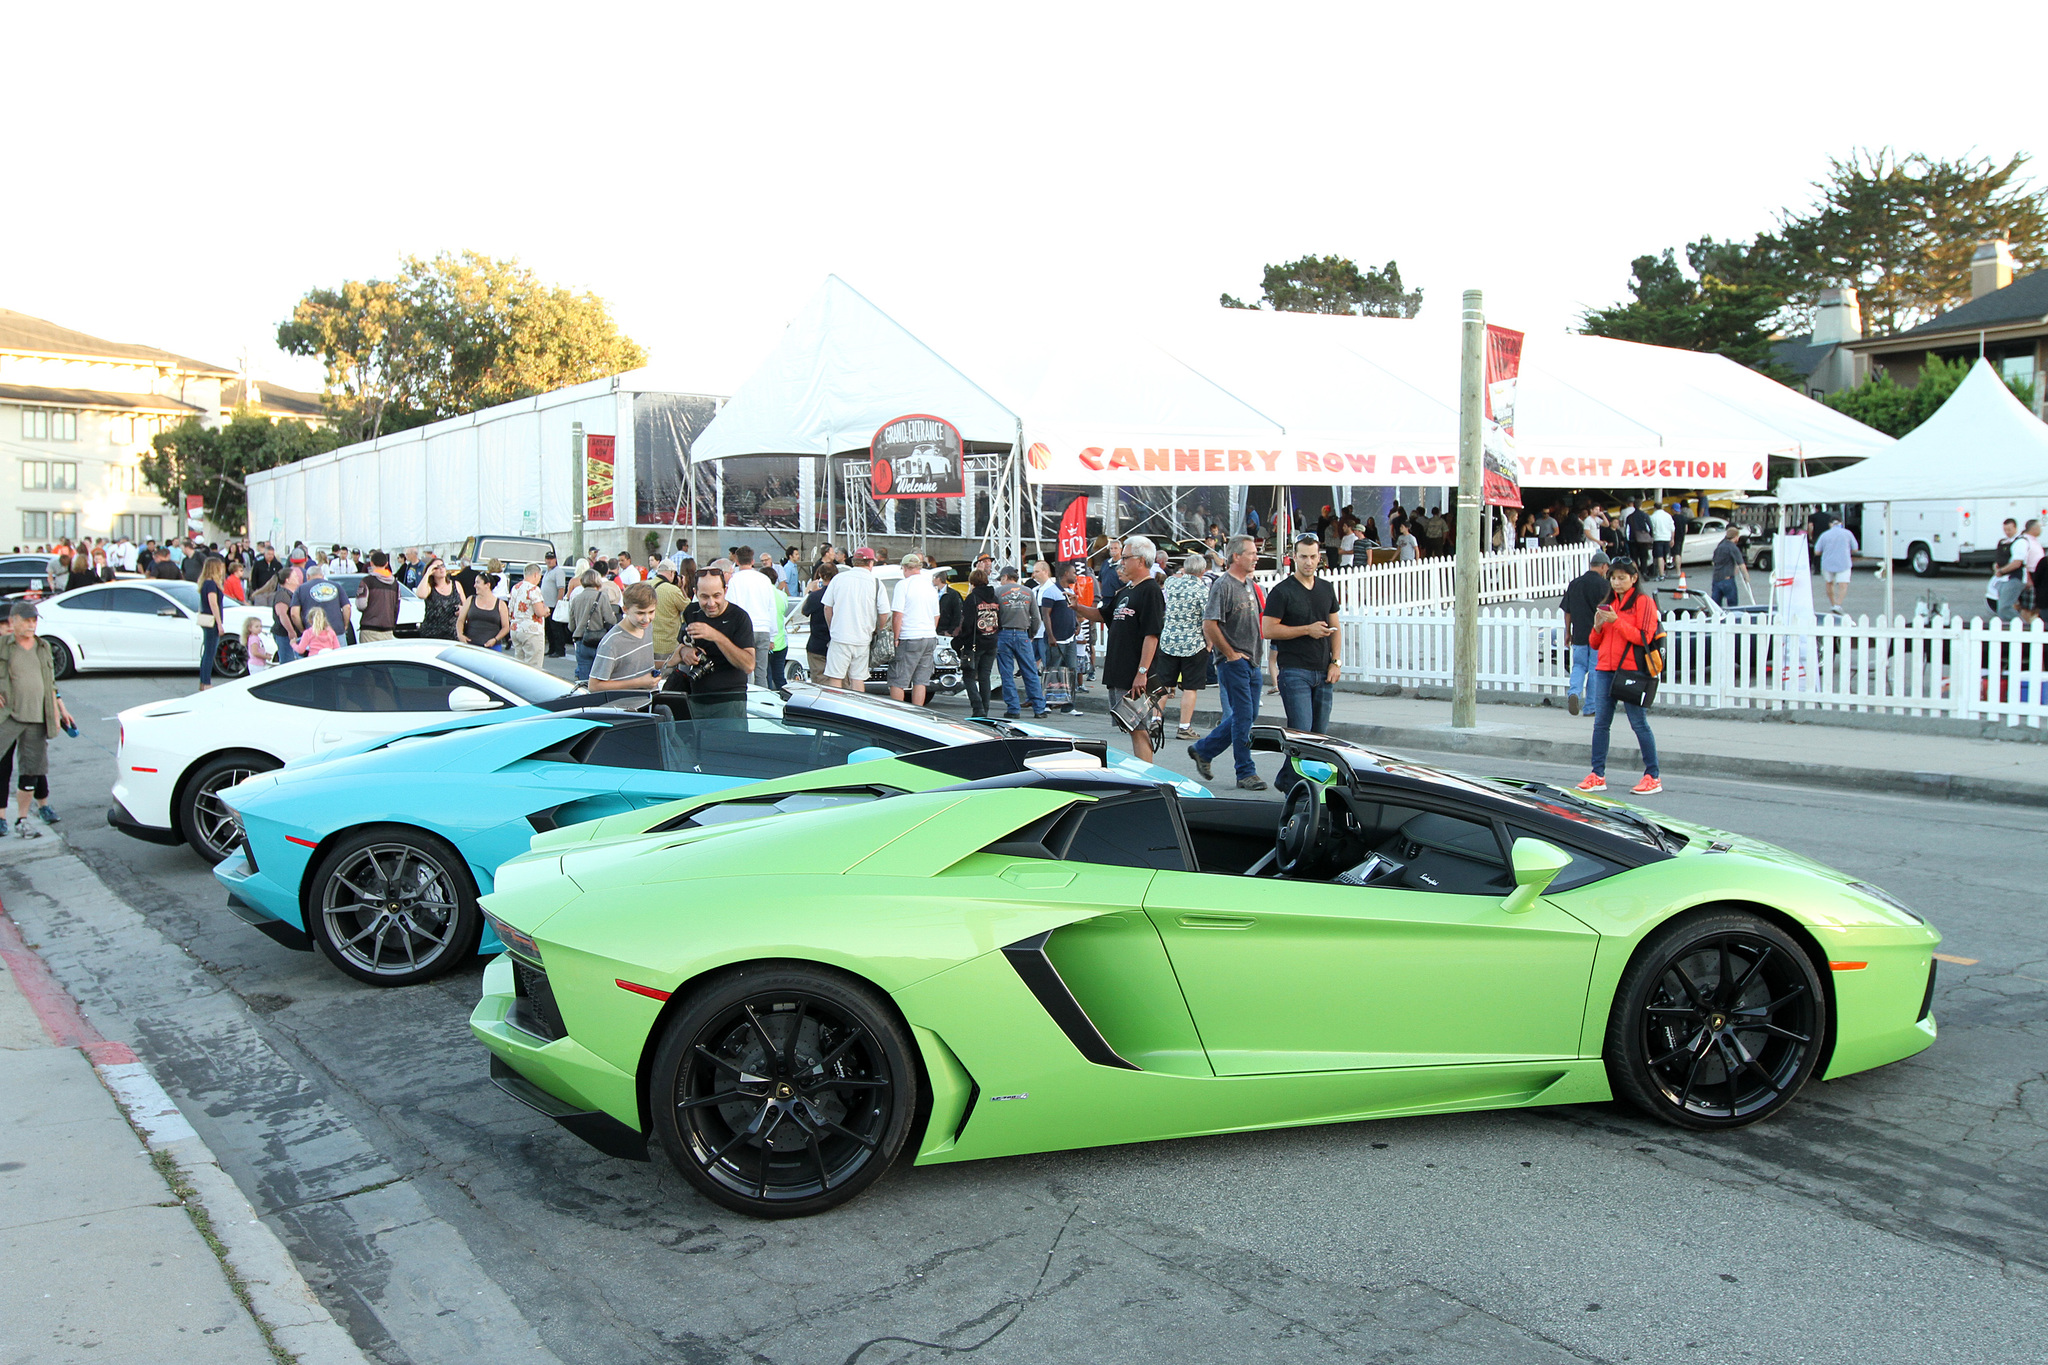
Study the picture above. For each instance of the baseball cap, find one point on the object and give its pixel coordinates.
(1599, 558)
(864, 553)
(23, 611)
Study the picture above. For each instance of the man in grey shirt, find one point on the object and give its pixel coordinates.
(554, 584)
(1230, 624)
(1016, 619)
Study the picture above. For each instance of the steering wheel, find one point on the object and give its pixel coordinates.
(1304, 826)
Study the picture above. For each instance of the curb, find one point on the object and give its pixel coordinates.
(284, 1306)
(1443, 739)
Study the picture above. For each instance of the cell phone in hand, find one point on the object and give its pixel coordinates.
(70, 727)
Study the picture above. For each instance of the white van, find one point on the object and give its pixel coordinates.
(1959, 531)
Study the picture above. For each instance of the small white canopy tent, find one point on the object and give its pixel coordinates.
(1981, 443)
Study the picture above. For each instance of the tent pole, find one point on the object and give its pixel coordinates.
(1890, 565)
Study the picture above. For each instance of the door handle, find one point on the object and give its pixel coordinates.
(1216, 921)
(1037, 879)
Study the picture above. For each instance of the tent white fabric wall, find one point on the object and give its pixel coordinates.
(1981, 443)
(437, 485)
(1364, 392)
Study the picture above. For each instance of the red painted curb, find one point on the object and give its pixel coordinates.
(54, 1008)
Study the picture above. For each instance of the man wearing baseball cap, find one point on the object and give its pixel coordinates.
(30, 711)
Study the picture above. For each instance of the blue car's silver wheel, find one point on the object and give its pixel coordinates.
(393, 906)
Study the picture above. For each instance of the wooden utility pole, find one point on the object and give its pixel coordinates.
(1471, 512)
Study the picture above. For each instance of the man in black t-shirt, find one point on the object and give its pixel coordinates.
(717, 651)
(1301, 621)
(1135, 614)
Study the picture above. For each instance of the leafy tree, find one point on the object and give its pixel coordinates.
(1902, 230)
(1335, 284)
(1894, 409)
(214, 461)
(1726, 306)
(449, 336)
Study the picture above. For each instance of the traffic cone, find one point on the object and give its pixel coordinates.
(1681, 579)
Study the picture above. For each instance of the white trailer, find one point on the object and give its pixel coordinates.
(1963, 532)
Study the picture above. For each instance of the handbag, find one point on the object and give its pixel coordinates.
(1637, 686)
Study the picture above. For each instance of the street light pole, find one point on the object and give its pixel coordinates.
(1471, 506)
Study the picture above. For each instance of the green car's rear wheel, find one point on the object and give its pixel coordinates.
(1717, 1022)
(784, 1091)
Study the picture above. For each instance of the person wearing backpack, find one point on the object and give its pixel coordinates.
(1629, 643)
(975, 641)
(592, 614)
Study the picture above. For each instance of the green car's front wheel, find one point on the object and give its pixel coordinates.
(784, 1090)
(1717, 1022)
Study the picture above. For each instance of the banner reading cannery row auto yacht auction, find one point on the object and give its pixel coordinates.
(1159, 459)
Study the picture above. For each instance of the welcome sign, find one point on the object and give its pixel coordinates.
(917, 456)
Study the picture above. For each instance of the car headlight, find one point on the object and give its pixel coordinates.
(518, 942)
(1878, 893)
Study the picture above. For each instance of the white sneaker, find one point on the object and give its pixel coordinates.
(24, 830)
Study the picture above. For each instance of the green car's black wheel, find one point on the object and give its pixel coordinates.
(784, 1091)
(1717, 1022)
(392, 906)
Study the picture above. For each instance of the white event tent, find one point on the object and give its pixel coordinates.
(1235, 397)
(1981, 443)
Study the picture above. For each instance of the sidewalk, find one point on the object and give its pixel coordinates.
(1861, 759)
(121, 1240)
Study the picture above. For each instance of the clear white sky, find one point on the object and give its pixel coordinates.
(181, 176)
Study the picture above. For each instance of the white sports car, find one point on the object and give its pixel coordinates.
(142, 623)
(177, 756)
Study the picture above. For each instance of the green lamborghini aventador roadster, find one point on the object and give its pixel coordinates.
(1007, 948)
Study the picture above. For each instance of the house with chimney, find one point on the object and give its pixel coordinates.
(1821, 358)
(2005, 321)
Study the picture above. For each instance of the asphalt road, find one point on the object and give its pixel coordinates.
(1897, 1215)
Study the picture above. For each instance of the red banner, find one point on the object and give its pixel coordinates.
(599, 454)
(1503, 375)
(1074, 531)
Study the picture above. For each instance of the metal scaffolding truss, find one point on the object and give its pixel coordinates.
(997, 473)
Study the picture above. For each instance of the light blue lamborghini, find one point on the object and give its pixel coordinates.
(376, 853)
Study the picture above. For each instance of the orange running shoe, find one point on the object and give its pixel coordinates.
(1649, 786)
(1593, 783)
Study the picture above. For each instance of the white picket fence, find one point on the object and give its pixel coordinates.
(1966, 670)
(1429, 584)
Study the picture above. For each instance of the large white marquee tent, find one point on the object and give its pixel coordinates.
(1230, 396)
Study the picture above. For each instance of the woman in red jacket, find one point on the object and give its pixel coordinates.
(1622, 630)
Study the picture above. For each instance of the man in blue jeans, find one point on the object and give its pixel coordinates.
(1728, 562)
(1301, 621)
(1016, 618)
(1582, 597)
(1230, 623)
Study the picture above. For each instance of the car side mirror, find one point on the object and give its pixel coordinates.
(472, 699)
(1536, 865)
(1315, 770)
(869, 753)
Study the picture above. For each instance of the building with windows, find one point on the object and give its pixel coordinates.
(76, 416)
(2005, 322)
